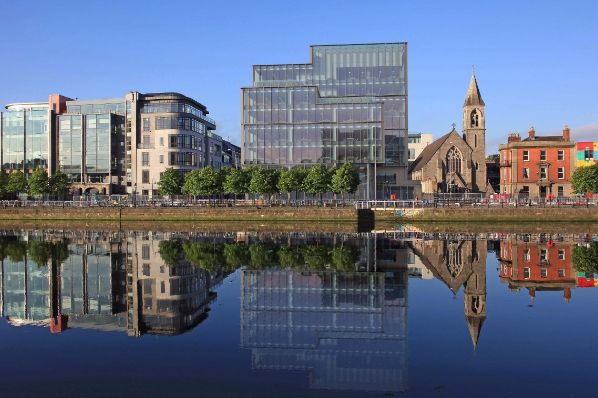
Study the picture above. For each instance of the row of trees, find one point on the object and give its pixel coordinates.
(39, 183)
(585, 179)
(317, 179)
(226, 257)
(39, 251)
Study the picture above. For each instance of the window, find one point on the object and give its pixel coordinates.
(542, 172)
(561, 254)
(145, 252)
(453, 161)
(525, 172)
(560, 191)
(525, 156)
(542, 155)
(161, 269)
(526, 255)
(161, 141)
(543, 272)
(146, 124)
(561, 173)
(561, 272)
(162, 287)
(561, 155)
(543, 255)
(526, 273)
(161, 159)
(146, 269)
(588, 153)
(145, 177)
(145, 158)
(146, 141)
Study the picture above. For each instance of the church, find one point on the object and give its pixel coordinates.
(455, 163)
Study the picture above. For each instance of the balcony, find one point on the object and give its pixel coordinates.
(505, 163)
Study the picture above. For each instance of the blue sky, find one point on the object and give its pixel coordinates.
(536, 61)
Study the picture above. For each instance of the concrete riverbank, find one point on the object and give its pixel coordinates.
(290, 215)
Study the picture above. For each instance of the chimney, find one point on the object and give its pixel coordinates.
(567, 294)
(532, 133)
(514, 137)
(566, 133)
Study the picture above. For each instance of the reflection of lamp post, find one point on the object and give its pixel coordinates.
(135, 195)
(152, 193)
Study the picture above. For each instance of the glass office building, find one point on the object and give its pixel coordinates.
(349, 104)
(25, 137)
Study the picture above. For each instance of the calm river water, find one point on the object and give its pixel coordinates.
(255, 314)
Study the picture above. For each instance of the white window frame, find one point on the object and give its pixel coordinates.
(561, 173)
(560, 155)
(526, 156)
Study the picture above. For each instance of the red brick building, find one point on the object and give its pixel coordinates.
(537, 266)
(537, 166)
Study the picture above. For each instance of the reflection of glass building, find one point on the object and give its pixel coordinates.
(102, 286)
(347, 329)
(349, 104)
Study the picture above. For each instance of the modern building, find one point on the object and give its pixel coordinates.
(587, 153)
(416, 144)
(348, 104)
(117, 145)
(537, 166)
(455, 163)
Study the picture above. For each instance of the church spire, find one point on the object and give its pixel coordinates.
(473, 96)
(474, 325)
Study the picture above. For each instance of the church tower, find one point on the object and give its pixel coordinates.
(474, 133)
(474, 293)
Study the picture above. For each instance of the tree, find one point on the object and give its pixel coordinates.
(204, 181)
(585, 179)
(317, 180)
(585, 259)
(344, 180)
(316, 256)
(40, 252)
(170, 182)
(38, 182)
(291, 180)
(236, 182)
(59, 184)
(3, 183)
(263, 181)
(17, 183)
(262, 256)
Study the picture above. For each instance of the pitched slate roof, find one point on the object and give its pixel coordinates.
(545, 138)
(428, 153)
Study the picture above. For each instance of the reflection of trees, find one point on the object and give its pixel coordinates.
(262, 255)
(236, 255)
(585, 259)
(40, 252)
(290, 257)
(215, 257)
(170, 251)
(14, 249)
(316, 257)
(208, 256)
(344, 257)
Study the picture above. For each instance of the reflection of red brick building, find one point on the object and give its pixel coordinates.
(537, 266)
(537, 166)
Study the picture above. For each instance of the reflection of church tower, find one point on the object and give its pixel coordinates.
(474, 296)
(459, 263)
(474, 133)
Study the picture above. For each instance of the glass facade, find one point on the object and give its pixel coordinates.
(97, 143)
(70, 146)
(25, 136)
(348, 104)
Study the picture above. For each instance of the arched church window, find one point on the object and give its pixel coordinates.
(474, 118)
(454, 260)
(453, 161)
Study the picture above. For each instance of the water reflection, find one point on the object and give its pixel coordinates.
(331, 305)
